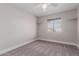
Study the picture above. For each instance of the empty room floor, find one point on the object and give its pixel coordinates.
(44, 48)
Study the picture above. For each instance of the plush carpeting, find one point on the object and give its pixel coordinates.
(43, 48)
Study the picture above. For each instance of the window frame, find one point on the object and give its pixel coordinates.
(53, 27)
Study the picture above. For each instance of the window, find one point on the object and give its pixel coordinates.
(54, 25)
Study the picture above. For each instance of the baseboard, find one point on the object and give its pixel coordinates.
(73, 44)
(77, 46)
(17, 46)
(14, 47)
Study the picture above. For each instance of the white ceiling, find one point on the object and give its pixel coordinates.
(36, 8)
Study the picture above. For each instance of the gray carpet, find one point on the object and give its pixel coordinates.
(43, 48)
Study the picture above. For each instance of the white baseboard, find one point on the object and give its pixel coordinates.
(77, 46)
(67, 43)
(14, 47)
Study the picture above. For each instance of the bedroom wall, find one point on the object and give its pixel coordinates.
(78, 27)
(69, 27)
(16, 27)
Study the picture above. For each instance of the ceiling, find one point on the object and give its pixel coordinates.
(37, 10)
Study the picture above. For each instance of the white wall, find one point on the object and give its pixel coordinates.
(16, 27)
(69, 27)
(78, 27)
